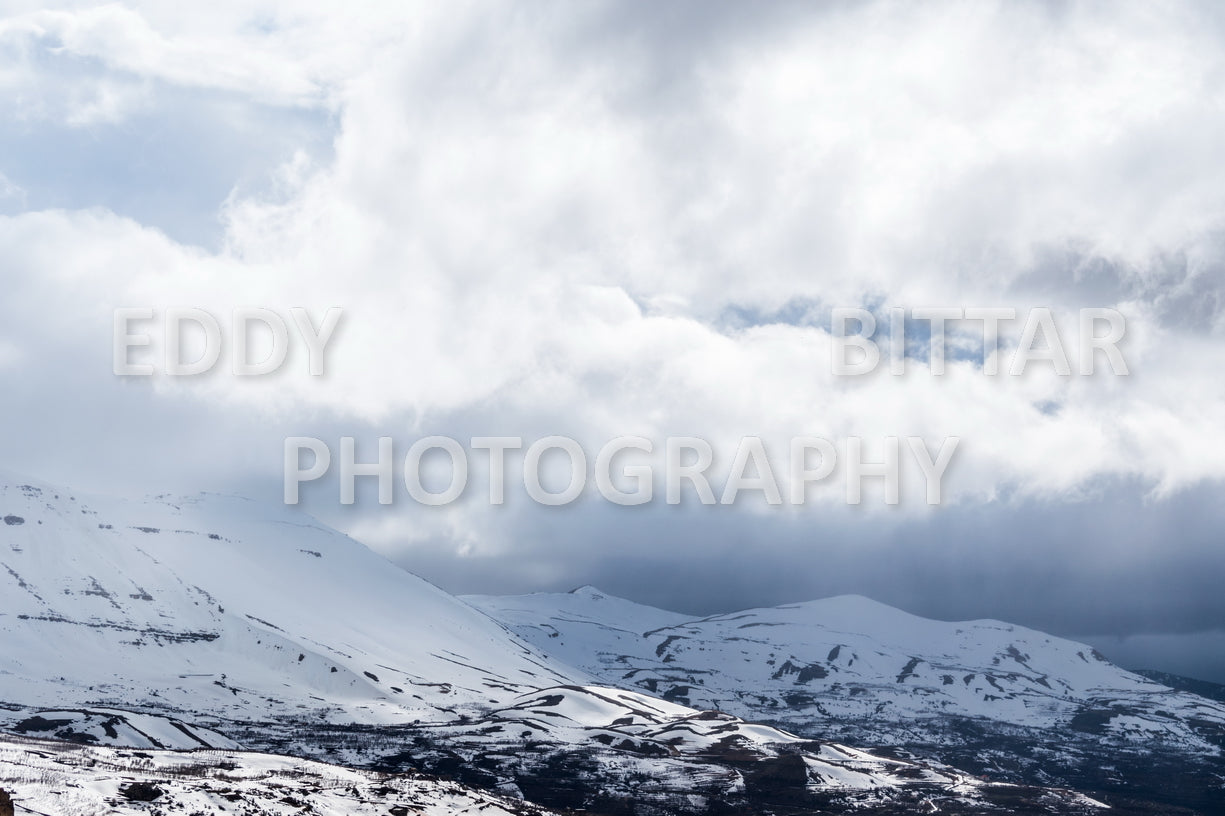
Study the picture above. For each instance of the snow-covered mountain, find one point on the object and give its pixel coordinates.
(998, 698)
(850, 658)
(232, 609)
(215, 622)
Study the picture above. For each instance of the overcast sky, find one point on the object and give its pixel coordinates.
(599, 220)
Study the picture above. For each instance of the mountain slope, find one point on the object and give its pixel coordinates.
(222, 607)
(211, 621)
(851, 658)
(993, 697)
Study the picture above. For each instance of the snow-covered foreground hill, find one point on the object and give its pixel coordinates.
(47, 777)
(998, 698)
(57, 778)
(214, 622)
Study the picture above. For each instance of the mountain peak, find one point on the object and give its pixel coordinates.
(210, 597)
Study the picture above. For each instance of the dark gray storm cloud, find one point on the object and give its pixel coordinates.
(1106, 568)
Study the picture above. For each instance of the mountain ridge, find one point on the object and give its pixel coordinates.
(185, 622)
(995, 698)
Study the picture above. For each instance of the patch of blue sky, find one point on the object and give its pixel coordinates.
(963, 340)
(170, 163)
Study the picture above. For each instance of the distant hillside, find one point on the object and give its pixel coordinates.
(1213, 691)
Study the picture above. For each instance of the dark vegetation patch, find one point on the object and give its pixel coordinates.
(663, 647)
(909, 669)
(141, 792)
(804, 673)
